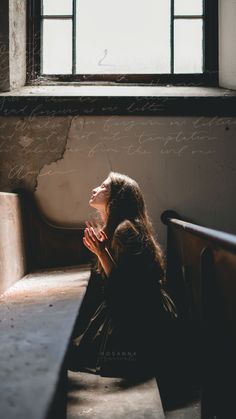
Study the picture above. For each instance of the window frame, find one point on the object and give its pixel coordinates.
(210, 57)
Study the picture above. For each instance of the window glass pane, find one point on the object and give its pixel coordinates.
(57, 46)
(188, 46)
(188, 7)
(57, 7)
(128, 37)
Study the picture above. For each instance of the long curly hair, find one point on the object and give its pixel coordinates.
(126, 202)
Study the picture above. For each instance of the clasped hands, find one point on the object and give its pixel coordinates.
(95, 242)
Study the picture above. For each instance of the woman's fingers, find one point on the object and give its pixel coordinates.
(88, 224)
(92, 241)
(90, 234)
(89, 243)
(102, 232)
(92, 228)
(88, 238)
(102, 237)
(86, 243)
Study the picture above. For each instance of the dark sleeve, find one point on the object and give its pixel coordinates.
(126, 242)
(128, 290)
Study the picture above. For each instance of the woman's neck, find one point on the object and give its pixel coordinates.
(103, 216)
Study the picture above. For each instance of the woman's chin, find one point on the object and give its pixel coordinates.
(91, 203)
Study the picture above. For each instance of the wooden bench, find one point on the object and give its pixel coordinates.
(201, 266)
(44, 272)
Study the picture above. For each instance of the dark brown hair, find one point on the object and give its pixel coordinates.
(126, 202)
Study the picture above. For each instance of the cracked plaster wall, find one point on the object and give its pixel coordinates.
(185, 164)
(26, 145)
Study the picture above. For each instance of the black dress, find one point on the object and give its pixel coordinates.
(121, 337)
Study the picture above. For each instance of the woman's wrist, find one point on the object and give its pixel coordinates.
(106, 261)
(101, 253)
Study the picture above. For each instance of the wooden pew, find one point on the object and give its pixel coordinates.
(201, 271)
(44, 272)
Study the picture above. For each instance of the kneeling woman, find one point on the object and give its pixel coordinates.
(125, 334)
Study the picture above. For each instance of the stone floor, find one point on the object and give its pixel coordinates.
(190, 411)
(94, 397)
(91, 396)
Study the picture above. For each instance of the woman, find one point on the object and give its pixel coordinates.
(121, 335)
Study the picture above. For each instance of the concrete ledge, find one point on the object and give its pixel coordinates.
(37, 317)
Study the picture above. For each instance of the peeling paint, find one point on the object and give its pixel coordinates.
(61, 155)
(27, 145)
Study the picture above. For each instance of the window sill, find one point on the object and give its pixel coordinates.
(122, 100)
(66, 90)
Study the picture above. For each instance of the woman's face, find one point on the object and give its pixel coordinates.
(100, 196)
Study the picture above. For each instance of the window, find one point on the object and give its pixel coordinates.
(152, 41)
